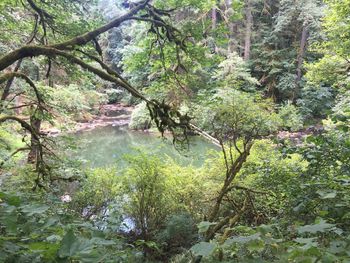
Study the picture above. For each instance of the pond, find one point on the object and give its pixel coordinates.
(106, 146)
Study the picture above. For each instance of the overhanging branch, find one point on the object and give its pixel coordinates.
(90, 36)
(12, 75)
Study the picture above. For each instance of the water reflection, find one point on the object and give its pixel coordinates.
(105, 146)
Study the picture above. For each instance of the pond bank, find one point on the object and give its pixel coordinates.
(110, 114)
(116, 115)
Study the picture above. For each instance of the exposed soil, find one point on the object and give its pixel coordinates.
(110, 114)
(298, 136)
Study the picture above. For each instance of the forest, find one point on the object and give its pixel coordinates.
(180, 131)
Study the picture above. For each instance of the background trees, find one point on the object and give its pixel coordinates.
(235, 71)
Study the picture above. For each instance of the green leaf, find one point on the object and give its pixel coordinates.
(71, 245)
(48, 250)
(256, 245)
(327, 194)
(34, 209)
(10, 222)
(102, 242)
(322, 226)
(204, 226)
(92, 257)
(264, 229)
(203, 249)
(308, 242)
(10, 199)
(242, 239)
(10, 247)
(337, 246)
(53, 238)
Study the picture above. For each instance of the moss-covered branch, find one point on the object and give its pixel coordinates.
(89, 36)
(41, 167)
(30, 51)
(11, 75)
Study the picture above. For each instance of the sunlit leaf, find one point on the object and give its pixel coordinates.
(204, 226)
(203, 249)
(322, 226)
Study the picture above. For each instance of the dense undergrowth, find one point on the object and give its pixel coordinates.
(267, 82)
(297, 211)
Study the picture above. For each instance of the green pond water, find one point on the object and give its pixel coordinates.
(106, 146)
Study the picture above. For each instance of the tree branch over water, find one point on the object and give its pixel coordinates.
(165, 116)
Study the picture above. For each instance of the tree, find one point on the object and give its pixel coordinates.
(277, 58)
(332, 69)
(86, 45)
(248, 30)
(237, 121)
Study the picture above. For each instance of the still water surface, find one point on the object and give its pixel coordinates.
(105, 146)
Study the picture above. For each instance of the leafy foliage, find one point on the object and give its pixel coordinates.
(240, 70)
(291, 118)
(140, 119)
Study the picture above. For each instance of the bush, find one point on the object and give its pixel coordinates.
(114, 95)
(8, 144)
(310, 193)
(39, 227)
(73, 102)
(179, 232)
(140, 118)
(154, 189)
(316, 101)
(145, 191)
(341, 111)
(290, 116)
(240, 113)
(99, 188)
(93, 99)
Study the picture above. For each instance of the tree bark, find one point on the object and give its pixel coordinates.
(300, 59)
(34, 51)
(231, 175)
(6, 91)
(34, 142)
(213, 18)
(248, 30)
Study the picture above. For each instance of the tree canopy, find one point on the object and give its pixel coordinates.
(253, 94)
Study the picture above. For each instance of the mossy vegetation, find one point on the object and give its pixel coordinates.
(265, 82)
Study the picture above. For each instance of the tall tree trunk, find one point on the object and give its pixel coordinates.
(300, 59)
(233, 30)
(213, 18)
(248, 30)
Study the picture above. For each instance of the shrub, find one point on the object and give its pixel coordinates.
(100, 186)
(144, 188)
(114, 95)
(316, 101)
(179, 231)
(341, 111)
(8, 144)
(39, 227)
(140, 118)
(290, 116)
(154, 189)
